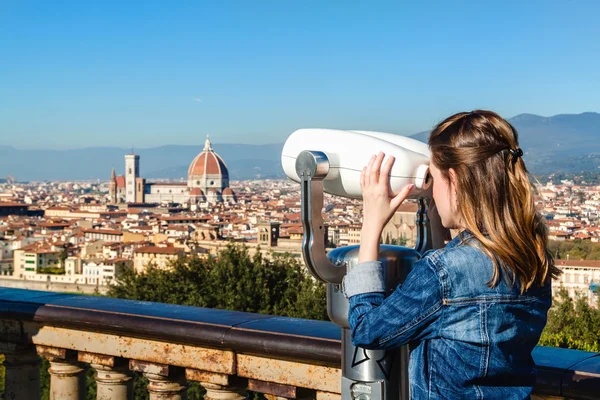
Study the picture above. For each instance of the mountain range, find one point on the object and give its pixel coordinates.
(561, 143)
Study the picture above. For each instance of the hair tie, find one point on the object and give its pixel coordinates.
(516, 154)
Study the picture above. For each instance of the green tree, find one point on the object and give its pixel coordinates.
(63, 255)
(45, 380)
(401, 241)
(388, 239)
(574, 250)
(2, 374)
(572, 324)
(233, 280)
(594, 255)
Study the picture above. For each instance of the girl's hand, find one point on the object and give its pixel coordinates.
(379, 203)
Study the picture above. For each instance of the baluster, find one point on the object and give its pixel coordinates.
(218, 386)
(67, 378)
(113, 378)
(166, 382)
(214, 391)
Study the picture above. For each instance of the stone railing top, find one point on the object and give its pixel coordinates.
(561, 372)
(283, 337)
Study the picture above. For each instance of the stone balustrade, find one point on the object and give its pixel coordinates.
(228, 352)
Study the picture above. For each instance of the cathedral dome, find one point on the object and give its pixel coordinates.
(208, 163)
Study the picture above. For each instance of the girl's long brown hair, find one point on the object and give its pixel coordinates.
(494, 195)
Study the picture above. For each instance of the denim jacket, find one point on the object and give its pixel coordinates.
(467, 340)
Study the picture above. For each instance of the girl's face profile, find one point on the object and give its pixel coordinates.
(445, 199)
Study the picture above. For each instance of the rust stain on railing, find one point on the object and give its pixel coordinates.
(206, 359)
(97, 359)
(149, 368)
(277, 389)
(56, 353)
(290, 373)
(197, 375)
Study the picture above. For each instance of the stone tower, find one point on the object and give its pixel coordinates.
(112, 188)
(132, 172)
(268, 233)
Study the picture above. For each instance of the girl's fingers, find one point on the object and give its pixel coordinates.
(400, 197)
(378, 162)
(369, 172)
(376, 168)
(385, 171)
(362, 178)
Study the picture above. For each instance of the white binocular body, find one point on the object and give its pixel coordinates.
(349, 151)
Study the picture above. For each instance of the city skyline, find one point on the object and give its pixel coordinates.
(80, 75)
(566, 143)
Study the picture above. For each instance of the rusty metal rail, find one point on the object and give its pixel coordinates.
(282, 357)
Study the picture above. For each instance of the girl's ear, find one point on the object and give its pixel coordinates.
(453, 180)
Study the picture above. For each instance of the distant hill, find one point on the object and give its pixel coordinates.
(243, 161)
(239, 169)
(568, 134)
(562, 143)
(565, 142)
(565, 134)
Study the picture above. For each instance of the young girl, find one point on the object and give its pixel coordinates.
(474, 310)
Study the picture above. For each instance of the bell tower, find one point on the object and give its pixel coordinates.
(132, 172)
(112, 188)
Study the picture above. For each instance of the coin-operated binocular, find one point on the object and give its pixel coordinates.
(327, 160)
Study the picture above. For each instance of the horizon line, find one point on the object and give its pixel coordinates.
(248, 144)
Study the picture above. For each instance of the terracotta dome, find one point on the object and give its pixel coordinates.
(120, 181)
(227, 191)
(208, 163)
(196, 192)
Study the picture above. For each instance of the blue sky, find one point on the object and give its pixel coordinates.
(148, 73)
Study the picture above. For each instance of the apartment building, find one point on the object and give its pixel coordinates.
(29, 259)
(160, 257)
(579, 278)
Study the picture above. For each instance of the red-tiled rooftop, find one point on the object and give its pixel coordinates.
(103, 231)
(6, 204)
(141, 228)
(38, 248)
(578, 263)
(54, 225)
(185, 218)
